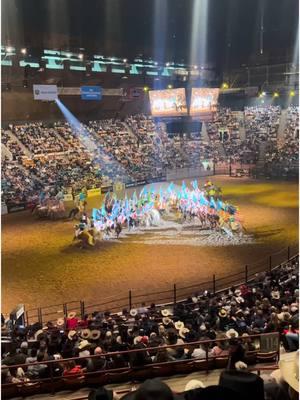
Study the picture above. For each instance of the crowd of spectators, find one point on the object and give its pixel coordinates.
(285, 154)
(269, 304)
(140, 148)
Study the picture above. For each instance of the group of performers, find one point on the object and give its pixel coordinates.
(152, 207)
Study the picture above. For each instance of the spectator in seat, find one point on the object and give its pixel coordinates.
(99, 363)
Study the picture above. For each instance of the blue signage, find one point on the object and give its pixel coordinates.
(91, 92)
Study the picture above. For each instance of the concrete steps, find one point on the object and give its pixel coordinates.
(15, 138)
(282, 126)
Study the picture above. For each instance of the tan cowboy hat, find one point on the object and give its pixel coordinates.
(237, 292)
(72, 314)
(60, 322)
(222, 313)
(165, 312)
(284, 316)
(182, 332)
(166, 320)
(95, 334)
(194, 299)
(289, 369)
(38, 333)
(133, 312)
(83, 344)
(71, 334)
(232, 333)
(85, 334)
(179, 325)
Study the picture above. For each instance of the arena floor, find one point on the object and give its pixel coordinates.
(41, 266)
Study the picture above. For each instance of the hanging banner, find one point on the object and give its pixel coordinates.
(45, 92)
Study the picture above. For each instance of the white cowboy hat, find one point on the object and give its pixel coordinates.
(85, 334)
(83, 344)
(95, 334)
(232, 333)
(289, 369)
(237, 292)
(133, 312)
(165, 312)
(166, 320)
(60, 322)
(202, 327)
(194, 299)
(179, 325)
(71, 334)
(182, 332)
(72, 314)
(38, 333)
(275, 294)
(193, 384)
(239, 299)
(137, 339)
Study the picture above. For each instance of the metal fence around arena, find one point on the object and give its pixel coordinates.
(172, 294)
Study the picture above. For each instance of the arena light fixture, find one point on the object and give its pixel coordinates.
(124, 60)
(225, 85)
(195, 67)
(276, 94)
(292, 93)
(80, 56)
(156, 63)
(146, 89)
(24, 51)
(9, 49)
(167, 64)
(263, 94)
(69, 55)
(170, 86)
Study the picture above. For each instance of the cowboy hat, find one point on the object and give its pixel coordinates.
(284, 316)
(166, 320)
(275, 294)
(38, 333)
(237, 292)
(165, 312)
(232, 333)
(83, 344)
(133, 312)
(179, 325)
(289, 369)
(182, 332)
(72, 314)
(239, 299)
(60, 322)
(71, 334)
(85, 334)
(194, 299)
(222, 313)
(95, 334)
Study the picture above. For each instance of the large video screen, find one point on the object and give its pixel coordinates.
(204, 101)
(168, 103)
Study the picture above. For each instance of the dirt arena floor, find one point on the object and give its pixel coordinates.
(41, 266)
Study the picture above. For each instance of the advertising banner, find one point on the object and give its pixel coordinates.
(91, 93)
(45, 92)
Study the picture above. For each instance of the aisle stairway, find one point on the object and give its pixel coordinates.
(5, 152)
(14, 138)
(282, 126)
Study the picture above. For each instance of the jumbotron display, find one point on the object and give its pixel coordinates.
(204, 101)
(168, 103)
